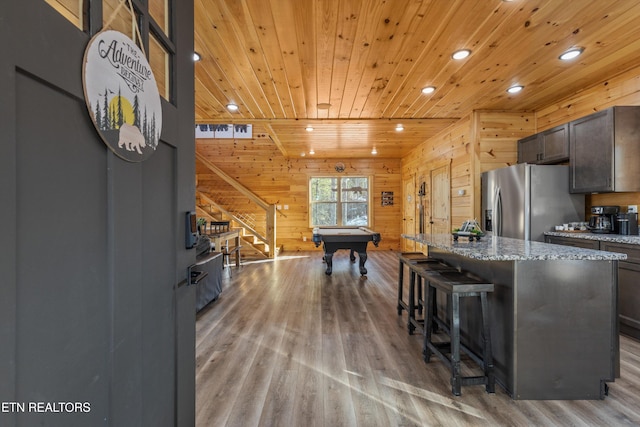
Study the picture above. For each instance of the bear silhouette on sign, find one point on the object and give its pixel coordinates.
(131, 138)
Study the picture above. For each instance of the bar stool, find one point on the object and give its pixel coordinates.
(458, 285)
(408, 258)
(418, 272)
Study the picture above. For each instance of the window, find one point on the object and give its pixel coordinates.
(157, 42)
(159, 11)
(159, 60)
(339, 201)
(156, 33)
(70, 9)
(123, 21)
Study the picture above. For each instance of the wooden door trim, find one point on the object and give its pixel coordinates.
(436, 166)
(408, 245)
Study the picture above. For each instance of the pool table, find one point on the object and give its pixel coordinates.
(354, 239)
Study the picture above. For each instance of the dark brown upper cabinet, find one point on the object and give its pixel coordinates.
(605, 151)
(548, 147)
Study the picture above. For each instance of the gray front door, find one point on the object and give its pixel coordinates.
(96, 323)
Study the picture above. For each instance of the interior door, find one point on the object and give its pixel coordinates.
(93, 307)
(409, 219)
(440, 200)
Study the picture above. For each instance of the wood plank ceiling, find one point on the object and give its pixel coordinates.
(354, 69)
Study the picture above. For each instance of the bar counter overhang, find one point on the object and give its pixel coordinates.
(553, 313)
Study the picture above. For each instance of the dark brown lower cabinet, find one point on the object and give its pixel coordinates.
(628, 279)
(628, 287)
(568, 241)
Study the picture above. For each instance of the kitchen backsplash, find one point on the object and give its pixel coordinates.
(611, 199)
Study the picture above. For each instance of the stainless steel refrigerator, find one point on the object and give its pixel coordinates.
(523, 201)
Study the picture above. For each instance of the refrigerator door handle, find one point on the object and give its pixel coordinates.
(497, 211)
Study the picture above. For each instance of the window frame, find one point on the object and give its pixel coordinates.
(339, 202)
(90, 20)
(146, 21)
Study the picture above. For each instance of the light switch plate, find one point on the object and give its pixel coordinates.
(632, 208)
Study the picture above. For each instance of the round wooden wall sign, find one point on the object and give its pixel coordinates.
(122, 96)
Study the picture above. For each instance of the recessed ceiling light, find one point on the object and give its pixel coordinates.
(196, 57)
(428, 89)
(399, 128)
(303, 154)
(232, 107)
(571, 53)
(515, 89)
(461, 54)
(309, 129)
(324, 106)
(374, 151)
(312, 152)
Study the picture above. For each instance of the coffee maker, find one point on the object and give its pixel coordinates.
(604, 219)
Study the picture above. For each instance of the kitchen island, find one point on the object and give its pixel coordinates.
(553, 313)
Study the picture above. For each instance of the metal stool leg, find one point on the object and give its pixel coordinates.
(428, 320)
(400, 284)
(487, 356)
(413, 277)
(456, 380)
(420, 307)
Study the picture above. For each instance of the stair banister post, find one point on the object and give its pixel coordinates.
(271, 230)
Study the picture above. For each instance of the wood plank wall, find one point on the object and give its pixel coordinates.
(453, 146)
(486, 140)
(495, 134)
(260, 166)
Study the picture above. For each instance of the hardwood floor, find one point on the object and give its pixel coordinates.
(286, 345)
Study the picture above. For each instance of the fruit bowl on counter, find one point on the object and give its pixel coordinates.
(470, 229)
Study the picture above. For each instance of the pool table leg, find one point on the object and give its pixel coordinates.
(363, 259)
(352, 257)
(328, 258)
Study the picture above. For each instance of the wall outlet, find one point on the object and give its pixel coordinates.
(304, 238)
(632, 208)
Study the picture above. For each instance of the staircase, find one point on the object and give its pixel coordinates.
(221, 198)
(253, 248)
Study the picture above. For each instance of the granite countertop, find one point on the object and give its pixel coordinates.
(613, 238)
(491, 248)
